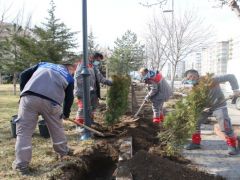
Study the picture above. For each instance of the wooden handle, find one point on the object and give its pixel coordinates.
(87, 127)
(135, 115)
(223, 101)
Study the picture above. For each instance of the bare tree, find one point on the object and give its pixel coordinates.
(180, 37)
(233, 4)
(155, 46)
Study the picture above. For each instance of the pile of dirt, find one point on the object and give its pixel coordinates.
(149, 166)
(99, 160)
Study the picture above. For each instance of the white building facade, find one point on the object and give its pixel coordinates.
(214, 59)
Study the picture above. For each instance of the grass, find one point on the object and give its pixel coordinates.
(43, 157)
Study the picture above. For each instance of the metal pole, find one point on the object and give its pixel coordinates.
(172, 11)
(172, 75)
(85, 73)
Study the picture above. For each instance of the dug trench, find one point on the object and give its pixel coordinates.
(98, 159)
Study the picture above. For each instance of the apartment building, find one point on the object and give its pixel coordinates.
(214, 59)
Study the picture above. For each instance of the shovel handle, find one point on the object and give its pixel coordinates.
(135, 115)
(223, 101)
(87, 127)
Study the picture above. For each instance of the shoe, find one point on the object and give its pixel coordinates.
(70, 152)
(66, 156)
(156, 120)
(24, 171)
(232, 150)
(86, 136)
(232, 145)
(192, 146)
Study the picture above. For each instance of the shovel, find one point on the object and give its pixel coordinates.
(139, 110)
(88, 128)
(223, 101)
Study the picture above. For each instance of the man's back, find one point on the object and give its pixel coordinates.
(49, 80)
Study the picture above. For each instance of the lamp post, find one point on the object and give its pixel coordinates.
(85, 72)
(172, 34)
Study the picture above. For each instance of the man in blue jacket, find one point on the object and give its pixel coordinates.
(44, 88)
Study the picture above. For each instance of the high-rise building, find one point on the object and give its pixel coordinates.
(180, 69)
(194, 61)
(234, 59)
(214, 59)
(222, 57)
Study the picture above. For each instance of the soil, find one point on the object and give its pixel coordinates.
(99, 159)
(152, 167)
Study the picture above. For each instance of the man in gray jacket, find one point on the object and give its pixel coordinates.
(44, 88)
(218, 109)
(95, 79)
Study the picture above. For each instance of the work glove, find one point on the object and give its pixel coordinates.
(146, 99)
(109, 83)
(236, 93)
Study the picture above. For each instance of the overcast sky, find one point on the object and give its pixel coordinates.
(109, 19)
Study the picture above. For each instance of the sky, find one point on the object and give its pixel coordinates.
(109, 19)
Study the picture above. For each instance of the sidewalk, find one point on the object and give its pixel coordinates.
(213, 157)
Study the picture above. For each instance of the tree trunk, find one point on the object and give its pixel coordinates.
(173, 72)
(0, 78)
(15, 83)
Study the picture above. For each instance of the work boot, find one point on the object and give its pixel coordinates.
(192, 146)
(86, 136)
(195, 144)
(232, 150)
(156, 120)
(70, 152)
(25, 171)
(65, 156)
(231, 143)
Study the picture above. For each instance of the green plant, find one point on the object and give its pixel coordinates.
(117, 98)
(180, 124)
